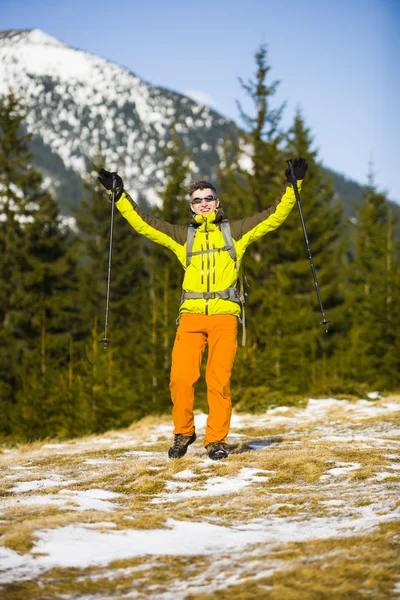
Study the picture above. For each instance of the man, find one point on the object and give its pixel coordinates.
(211, 304)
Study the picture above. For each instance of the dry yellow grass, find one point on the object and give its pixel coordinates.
(306, 478)
(359, 567)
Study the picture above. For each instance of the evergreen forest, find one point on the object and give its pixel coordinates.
(57, 380)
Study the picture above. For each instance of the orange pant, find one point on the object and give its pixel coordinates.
(194, 332)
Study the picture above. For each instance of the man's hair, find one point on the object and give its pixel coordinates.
(201, 185)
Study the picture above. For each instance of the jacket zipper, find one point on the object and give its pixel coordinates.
(208, 266)
(202, 264)
(214, 263)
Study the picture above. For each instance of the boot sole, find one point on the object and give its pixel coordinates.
(218, 457)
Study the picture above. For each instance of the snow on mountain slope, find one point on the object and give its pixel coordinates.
(81, 103)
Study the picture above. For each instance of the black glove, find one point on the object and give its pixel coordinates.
(300, 167)
(106, 179)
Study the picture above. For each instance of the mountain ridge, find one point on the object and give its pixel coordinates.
(82, 104)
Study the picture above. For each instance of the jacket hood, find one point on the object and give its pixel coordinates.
(212, 217)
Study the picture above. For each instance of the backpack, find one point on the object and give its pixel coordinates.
(235, 294)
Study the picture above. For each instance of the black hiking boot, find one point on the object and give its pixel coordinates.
(216, 451)
(180, 446)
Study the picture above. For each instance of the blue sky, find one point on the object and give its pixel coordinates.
(337, 61)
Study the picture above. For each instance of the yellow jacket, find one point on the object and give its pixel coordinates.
(211, 268)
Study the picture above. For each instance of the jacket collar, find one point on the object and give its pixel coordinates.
(213, 217)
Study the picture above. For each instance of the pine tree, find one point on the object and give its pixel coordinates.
(113, 383)
(373, 301)
(286, 350)
(251, 178)
(391, 364)
(305, 349)
(263, 134)
(37, 271)
(251, 172)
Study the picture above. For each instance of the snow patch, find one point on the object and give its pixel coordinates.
(98, 461)
(80, 500)
(37, 36)
(94, 499)
(214, 486)
(186, 474)
(55, 446)
(40, 484)
(341, 470)
(73, 545)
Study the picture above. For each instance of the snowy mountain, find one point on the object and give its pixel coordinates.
(81, 103)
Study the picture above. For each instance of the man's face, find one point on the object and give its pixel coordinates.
(203, 207)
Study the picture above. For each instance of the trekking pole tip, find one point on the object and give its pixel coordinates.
(105, 341)
(325, 324)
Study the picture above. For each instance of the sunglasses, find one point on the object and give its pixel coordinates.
(206, 198)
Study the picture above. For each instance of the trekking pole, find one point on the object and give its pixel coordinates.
(324, 321)
(105, 339)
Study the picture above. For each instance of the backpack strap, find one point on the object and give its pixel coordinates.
(228, 294)
(230, 246)
(227, 235)
(189, 243)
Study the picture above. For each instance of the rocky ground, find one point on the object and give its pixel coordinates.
(311, 511)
